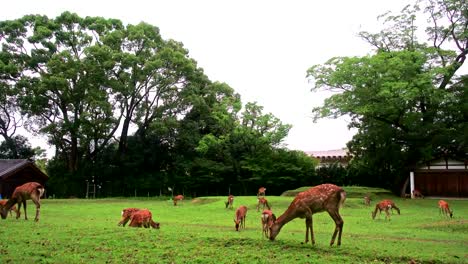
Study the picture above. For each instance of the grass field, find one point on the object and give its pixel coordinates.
(201, 230)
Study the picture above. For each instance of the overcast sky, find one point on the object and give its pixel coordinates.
(262, 49)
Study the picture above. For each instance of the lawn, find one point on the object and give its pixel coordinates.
(201, 230)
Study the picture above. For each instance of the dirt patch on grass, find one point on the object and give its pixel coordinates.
(200, 201)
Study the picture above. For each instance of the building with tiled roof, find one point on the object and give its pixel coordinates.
(327, 157)
(15, 172)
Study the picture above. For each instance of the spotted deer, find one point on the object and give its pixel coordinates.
(230, 201)
(263, 202)
(29, 190)
(177, 198)
(261, 191)
(445, 209)
(267, 218)
(386, 206)
(240, 215)
(143, 218)
(324, 197)
(12, 209)
(126, 215)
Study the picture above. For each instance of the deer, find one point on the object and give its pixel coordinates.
(445, 209)
(230, 201)
(143, 218)
(267, 218)
(367, 200)
(29, 190)
(126, 215)
(264, 202)
(324, 197)
(12, 209)
(417, 193)
(177, 198)
(261, 191)
(240, 215)
(385, 205)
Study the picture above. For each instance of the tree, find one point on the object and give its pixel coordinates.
(405, 99)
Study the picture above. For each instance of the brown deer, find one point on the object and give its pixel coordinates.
(12, 209)
(367, 200)
(29, 190)
(261, 191)
(143, 218)
(417, 194)
(230, 201)
(264, 202)
(267, 218)
(177, 198)
(241, 214)
(386, 206)
(445, 209)
(324, 197)
(126, 215)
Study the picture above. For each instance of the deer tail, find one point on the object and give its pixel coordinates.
(342, 199)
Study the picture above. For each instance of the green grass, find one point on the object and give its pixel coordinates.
(202, 231)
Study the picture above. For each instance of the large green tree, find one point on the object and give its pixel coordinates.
(407, 99)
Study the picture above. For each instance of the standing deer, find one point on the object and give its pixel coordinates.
(324, 197)
(385, 205)
(261, 191)
(267, 218)
(417, 193)
(264, 202)
(29, 190)
(143, 218)
(445, 209)
(240, 216)
(230, 201)
(126, 215)
(177, 198)
(367, 200)
(12, 209)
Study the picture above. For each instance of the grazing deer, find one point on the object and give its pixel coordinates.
(12, 209)
(268, 218)
(126, 215)
(417, 193)
(230, 201)
(385, 205)
(261, 191)
(29, 190)
(240, 216)
(264, 202)
(324, 197)
(445, 209)
(367, 200)
(177, 198)
(143, 218)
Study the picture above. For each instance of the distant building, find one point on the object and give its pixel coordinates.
(15, 172)
(328, 157)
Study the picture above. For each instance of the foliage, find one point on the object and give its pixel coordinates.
(406, 100)
(196, 230)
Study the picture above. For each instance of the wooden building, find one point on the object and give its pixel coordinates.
(15, 172)
(441, 178)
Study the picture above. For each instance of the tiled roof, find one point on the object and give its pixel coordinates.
(328, 153)
(9, 165)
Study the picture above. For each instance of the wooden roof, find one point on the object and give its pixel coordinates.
(9, 167)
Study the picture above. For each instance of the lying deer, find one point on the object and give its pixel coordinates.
(240, 216)
(445, 209)
(230, 201)
(143, 218)
(264, 202)
(324, 197)
(267, 218)
(177, 198)
(261, 191)
(29, 190)
(386, 206)
(12, 209)
(126, 215)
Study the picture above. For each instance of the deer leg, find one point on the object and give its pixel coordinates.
(338, 227)
(38, 209)
(18, 213)
(24, 206)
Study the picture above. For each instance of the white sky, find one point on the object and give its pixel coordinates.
(262, 49)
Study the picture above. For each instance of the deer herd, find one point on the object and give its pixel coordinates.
(322, 198)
